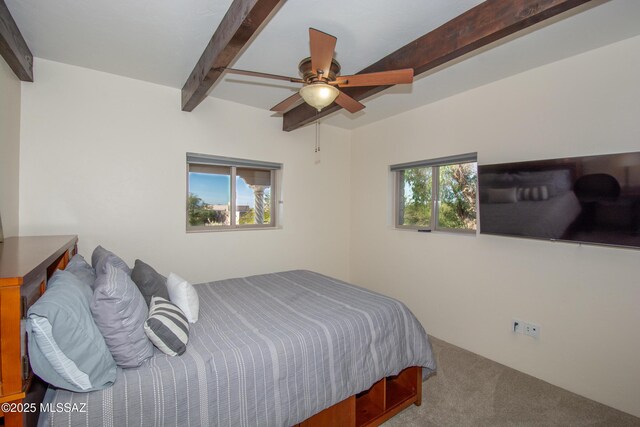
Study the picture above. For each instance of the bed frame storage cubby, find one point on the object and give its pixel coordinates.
(390, 396)
(372, 407)
(370, 404)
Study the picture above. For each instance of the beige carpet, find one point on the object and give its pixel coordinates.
(469, 390)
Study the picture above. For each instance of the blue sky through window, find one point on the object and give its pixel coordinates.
(244, 194)
(215, 189)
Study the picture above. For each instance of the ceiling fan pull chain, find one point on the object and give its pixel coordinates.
(317, 150)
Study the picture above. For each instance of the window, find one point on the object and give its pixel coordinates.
(438, 194)
(225, 193)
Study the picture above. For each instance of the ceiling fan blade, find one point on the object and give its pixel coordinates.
(322, 47)
(383, 78)
(348, 103)
(287, 103)
(264, 75)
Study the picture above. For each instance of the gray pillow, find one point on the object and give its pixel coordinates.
(149, 282)
(557, 181)
(502, 195)
(488, 181)
(119, 311)
(102, 257)
(501, 180)
(66, 349)
(84, 272)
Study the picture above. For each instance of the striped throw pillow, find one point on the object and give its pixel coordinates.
(167, 327)
(534, 194)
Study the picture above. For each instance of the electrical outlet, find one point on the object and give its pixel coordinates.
(517, 326)
(532, 330)
(526, 328)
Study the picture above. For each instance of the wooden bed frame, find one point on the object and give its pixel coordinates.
(26, 263)
(385, 399)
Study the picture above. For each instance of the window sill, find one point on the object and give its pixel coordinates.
(472, 233)
(226, 229)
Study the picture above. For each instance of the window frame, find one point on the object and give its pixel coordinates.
(434, 220)
(233, 164)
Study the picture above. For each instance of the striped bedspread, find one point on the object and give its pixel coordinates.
(268, 350)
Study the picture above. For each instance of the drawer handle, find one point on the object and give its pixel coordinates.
(25, 367)
(25, 307)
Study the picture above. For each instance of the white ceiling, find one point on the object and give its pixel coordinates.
(161, 40)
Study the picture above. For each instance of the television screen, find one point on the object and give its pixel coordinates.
(593, 199)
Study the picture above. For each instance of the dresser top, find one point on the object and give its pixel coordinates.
(19, 256)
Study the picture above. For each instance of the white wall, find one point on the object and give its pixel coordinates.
(9, 148)
(465, 289)
(103, 157)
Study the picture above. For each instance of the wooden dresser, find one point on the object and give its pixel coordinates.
(26, 263)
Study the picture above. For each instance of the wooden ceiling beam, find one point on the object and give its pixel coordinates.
(241, 21)
(477, 27)
(13, 48)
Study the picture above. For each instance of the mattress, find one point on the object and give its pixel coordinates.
(268, 350)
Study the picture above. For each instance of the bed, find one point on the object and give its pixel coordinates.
(538, 201)
(547, 219)
(269, 350)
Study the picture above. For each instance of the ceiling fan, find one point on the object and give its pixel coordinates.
(321, 79)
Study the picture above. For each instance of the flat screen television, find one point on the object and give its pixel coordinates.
(592, 199)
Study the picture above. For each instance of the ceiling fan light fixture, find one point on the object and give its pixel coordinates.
(319, 94)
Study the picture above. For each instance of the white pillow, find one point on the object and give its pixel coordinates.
(184, 295)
